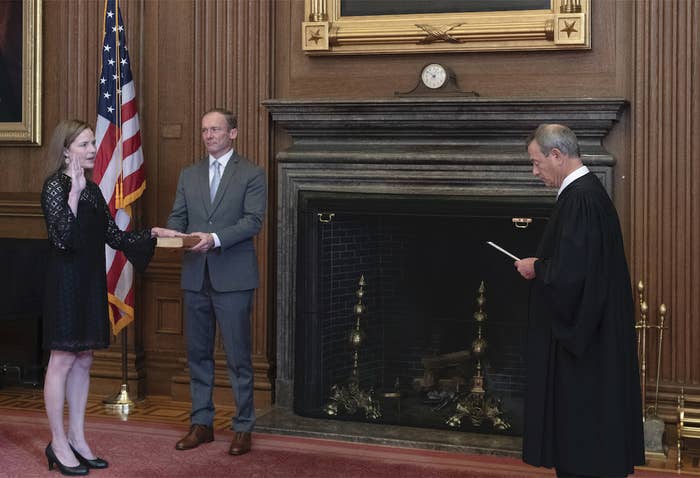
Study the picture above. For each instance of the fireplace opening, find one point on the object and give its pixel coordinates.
(22, 358)
(408, 348)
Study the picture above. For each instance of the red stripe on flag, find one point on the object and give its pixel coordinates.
(131, 145)
(104, 154)
(130, 297)
(115, 271)
(128, 111)
(133, 182)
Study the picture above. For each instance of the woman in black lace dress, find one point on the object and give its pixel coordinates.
(76, 320)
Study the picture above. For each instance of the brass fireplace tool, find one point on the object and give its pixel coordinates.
(478, 404)
(653, 424)
(348, 398)
(642, 326)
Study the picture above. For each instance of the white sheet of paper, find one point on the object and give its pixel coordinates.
(502, 250)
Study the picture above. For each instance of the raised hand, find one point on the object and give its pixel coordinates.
(77, 175)
(77, 183)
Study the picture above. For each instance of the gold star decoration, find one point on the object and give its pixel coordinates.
(569, 29)
(315, 36)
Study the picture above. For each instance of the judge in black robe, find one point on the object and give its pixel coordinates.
(583, 405)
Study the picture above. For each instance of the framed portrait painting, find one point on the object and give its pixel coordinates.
(354, 27)
(20, 72)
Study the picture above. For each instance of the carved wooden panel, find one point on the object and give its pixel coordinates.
(169, 316)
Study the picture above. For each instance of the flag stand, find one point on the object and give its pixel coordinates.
(120, 401)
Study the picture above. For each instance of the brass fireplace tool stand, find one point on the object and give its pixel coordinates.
(653, 424)
(478, 404)
(348, 398)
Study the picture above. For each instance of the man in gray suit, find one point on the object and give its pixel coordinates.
(221, 199)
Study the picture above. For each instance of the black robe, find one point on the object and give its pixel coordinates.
(583, 404)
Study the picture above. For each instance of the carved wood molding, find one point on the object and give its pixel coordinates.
(20, 204)
(162, 270)
(21, 216)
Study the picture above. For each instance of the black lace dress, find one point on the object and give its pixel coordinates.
(75, 303)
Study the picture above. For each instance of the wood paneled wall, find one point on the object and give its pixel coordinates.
(200, 55)
(665, 193)
(186, 57)
(190, 55)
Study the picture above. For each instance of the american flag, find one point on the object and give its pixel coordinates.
(119, 169)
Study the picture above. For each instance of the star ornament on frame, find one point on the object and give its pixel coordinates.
(569, 28)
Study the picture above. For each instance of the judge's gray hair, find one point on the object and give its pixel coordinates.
(550, 136)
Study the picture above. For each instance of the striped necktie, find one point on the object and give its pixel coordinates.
(215, 180)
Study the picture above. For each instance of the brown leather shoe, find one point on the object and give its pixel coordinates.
(240, 444)
(198, 434)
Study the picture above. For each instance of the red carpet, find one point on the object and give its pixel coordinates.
(145, 450)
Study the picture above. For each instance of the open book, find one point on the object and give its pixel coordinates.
(177, 242)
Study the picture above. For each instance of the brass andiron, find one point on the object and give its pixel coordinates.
(478, 404)
(349, 398)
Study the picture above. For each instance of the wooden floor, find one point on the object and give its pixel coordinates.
(153, 409)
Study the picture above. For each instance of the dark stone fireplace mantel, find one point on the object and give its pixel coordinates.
(442, 147)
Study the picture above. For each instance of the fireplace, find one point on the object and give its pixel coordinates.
(22, 359)
(422, 260)
(406, 192)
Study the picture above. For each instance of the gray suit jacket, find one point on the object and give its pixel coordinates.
(236, 215)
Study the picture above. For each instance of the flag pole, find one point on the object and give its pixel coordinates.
(120, 401)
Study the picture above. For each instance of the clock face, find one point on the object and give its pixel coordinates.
(434, 76)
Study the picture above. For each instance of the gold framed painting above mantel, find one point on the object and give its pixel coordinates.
(20, 72)
(351, 27)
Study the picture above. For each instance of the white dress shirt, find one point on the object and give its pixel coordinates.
(571, 178)
(223, 160)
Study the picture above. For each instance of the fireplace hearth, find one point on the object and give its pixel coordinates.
(406, 192)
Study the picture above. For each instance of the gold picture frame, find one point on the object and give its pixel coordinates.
(21, 124)
(565, 25)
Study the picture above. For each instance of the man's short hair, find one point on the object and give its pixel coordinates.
(229, 115)
(550, 136)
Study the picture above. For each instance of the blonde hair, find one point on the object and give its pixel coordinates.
(63, 136)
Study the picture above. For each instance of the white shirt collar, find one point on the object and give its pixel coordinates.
(223, 159)
(573, 176)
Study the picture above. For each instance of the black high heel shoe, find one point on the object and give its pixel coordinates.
(95, 463)
(65, 470)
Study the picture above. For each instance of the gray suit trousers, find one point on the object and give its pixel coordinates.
(231, 310)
